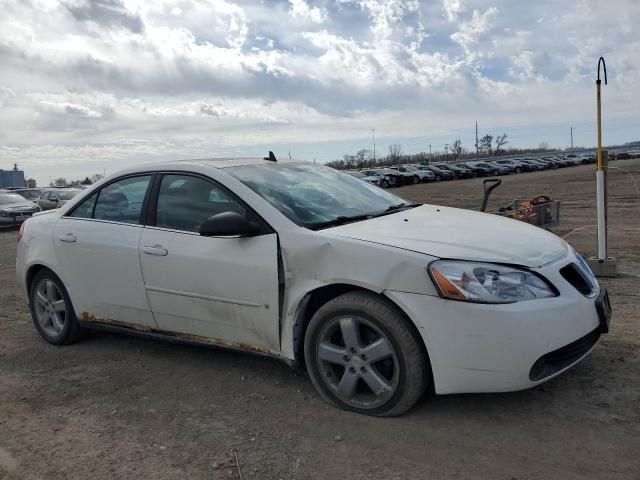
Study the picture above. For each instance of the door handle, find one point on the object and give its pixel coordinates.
(69, 238)
(155, 250)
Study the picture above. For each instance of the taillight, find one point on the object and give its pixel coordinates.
(21, 232)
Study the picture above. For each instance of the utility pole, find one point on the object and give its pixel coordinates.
(373, 136)
(446, 151)
(477, 151)
(430, 156)
(571, 138)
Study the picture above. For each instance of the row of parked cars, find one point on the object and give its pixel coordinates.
(18, 204)
(398, 175)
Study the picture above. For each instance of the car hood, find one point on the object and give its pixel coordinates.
(459, 234)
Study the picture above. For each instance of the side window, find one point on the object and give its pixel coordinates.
(121, 201)
(185, 202)
(85, 209)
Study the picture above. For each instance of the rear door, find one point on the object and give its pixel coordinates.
(97, 248)
(222, 289)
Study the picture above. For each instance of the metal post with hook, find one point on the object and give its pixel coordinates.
(602, 265)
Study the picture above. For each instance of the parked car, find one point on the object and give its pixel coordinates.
(408, 177)
(15, 209)
(477, 170)
(438, 173)
(362, 176)
(458, 170)
(377, 296)
(50, 199)
(516, 165)
(494, 170)
(573, 159)
(29, 193)
(502, 169)
(423, 175)
(416, 173)
(385, 178)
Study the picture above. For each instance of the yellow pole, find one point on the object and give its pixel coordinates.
(601, 185)
(599, 116)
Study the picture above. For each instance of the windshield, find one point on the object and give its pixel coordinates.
(8, 198)
(67, 194)
(313, 195)
(29, 194)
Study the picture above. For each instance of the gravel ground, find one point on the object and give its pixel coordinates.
(119, 407)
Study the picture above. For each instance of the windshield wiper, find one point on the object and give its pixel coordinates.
(399, 206)
(341, 220)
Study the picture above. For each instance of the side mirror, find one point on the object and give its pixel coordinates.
(228, 224)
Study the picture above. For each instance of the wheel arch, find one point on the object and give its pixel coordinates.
(31, 273)
(314, 299)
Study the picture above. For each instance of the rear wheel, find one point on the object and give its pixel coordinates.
(362, 356)
(384, 184)
(51, 310)
(416, 179)
(438, 178)
(495, 173)
(518, 170)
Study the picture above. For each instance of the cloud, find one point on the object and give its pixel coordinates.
(452, 8)
(105, 13)
(300, 8)
(472, 30)
(68, 109)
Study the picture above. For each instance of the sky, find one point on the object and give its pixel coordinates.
(91, 86)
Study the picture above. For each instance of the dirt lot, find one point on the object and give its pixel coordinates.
(116, 407)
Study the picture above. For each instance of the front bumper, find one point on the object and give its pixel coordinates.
(494, 348)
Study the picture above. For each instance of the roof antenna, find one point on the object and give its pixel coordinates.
(271, 157)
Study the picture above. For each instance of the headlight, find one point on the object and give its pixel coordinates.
(487, 282)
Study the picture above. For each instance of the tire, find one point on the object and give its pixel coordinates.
(51, 310)
(438, 178)
(517, 169)
(494, 173)
(416, 180)
(401, 372)
(384, 184)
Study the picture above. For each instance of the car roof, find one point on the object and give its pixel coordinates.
(237, 162)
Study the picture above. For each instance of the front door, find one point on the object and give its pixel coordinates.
(224, 289)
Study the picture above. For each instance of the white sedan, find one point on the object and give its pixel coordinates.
(379, 297)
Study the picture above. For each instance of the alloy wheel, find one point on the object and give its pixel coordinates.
(49, 306)
(357, 362)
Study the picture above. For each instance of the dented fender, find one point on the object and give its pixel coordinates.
(315, 259)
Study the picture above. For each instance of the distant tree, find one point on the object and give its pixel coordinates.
(500, 141)
(486, 144)
(86, 181)
(96, 177)
(349, 161)
(60, 182)
(395, 152)
(362, 157)
(544, 146)
(457, 149)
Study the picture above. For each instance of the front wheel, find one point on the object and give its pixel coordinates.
(384, 184)
(51, 310)
(517, 169)
(416, 179)
(362, 356)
